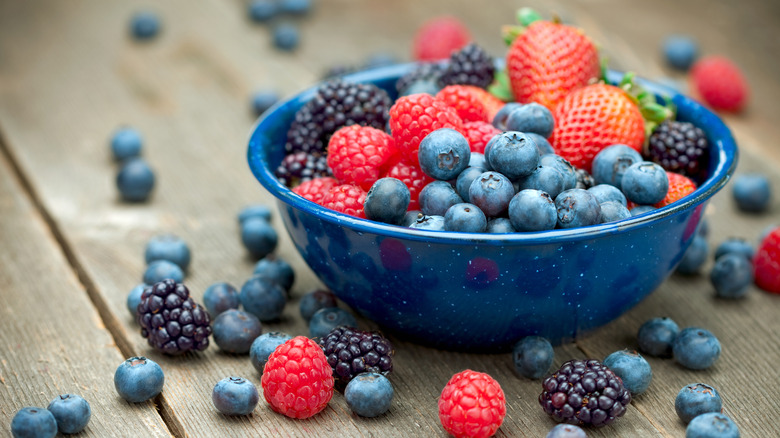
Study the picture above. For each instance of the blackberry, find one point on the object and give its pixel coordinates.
(300, 167)
(171, 321)
(584, 392)
(471, 65)
(351, 352)
(584, 179)
(679, 147)
(427, 72)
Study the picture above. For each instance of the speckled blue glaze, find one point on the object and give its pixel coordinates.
(483, 292)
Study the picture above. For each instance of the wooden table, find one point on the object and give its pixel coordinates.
(71, 251)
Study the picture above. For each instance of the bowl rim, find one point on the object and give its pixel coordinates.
(722, 147)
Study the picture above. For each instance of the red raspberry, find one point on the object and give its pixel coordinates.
(679, 187)
(414, 116)
(465, 101)
(315, 189)
(438, 37)
(346, 198)
(414, 178)
(479, 134)
(356, 154)
(472, 405)
(766, 263)
(720, 83)
(297, 380)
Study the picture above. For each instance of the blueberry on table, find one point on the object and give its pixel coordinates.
(680, 51)
(263, 100)
(656, 336)
(732, 275)
(632, 368)
(369, 394)
(251, 211)
(736, 245)
(168, 247)
(696, 399)
(533, 356)
(263, 298)
(235, 330)
(135, 180)
(295, 7)
(159, 270)
(71, 411)
(286, 36)
(263, 346)
(277, 270)
(326, 319)
(258, 237)
(695, 256)
(33, 422)
(752, 192)
(712, 425)
(696, 348)
(235, 396)
(126, 143)
(144, 25)
(262, 10)
(219, 297)
(134, 298)
(138, 379)
(566, 431)
(315, 300)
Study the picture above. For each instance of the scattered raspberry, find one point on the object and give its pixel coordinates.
(472, 405)
(679, 187)
(346, 198)
(356, 154)
(766, 263)
(414, 178)
(438, 37)
(479, 134)
(415, 116)
(465, 102)
(316, 189)
(297, 380)
(720, 83)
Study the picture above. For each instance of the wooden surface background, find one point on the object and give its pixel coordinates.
(70, 251)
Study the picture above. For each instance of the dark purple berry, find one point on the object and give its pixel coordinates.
(351, 352)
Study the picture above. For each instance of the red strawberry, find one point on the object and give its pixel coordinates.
(357, 154)
(720, 83)
(414, 116)
(548, 60)
(315, 189)
(479, 134)
(414, 178)
(766, 263)
(438, 37)
(465, 102)
(491, 103)
(346, 198)
(679, 187)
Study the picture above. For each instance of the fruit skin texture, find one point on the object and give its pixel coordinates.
(235, 330)
(263, 346)
(347, 199)
(766, 263)
(263, 298)
(632, 368)
(258, 237)
(444, 153)
(235, 396)
(712, 425)
(71, 411)
(168, 247)
(276, 270)
(126, 143)
(720, 83)
(752, 192)
(297, 380)
(472, 404)
(32, 422)
(732, 275)
(479, 134)
(550, 60)
(470, 65)
(438, 37)
(138, 379)
(679, 147)
(315, 189)
(417, 115)
(696, 399)
(566, 431)
(466, 101)
(645, 183)
(357, 154)
(135, 180)
(696, 348)
(593, 117)
(656, 335)
(369, 394)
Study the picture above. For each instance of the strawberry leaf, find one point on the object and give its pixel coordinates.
(500, 87)
(526, 16)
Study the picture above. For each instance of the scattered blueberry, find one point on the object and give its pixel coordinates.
(612, 211)
(608, 192)
(262, 10)
(252, 211)
(263, 346)
(500, 225)
(235, 396)
(277, 270)
(695, 256)
(491, 192)
(532, 210)
(513, 154)
(656, 335)
(732, 275)
(315, 300)
(464, 180)
(712, 425)
(235, 330)
(500, 119)
(752, 192)
(134, 298)
(168, 247)
(531, 117)
(632, 368)
(369, 394)
(533, 356)
(577, 208)
(611, 163)
(328, 318)
(71, 411)
(428, 222)
(387, 201)
(680, 51)
(135, 180)
(219, 297)
(138, 379)
(645, 183)
(144, 25)
(126, 143)
(32, 422)
(696, 399)
(548, 179)
(466, 218)
(286, 36)
(160, 270)
(696, 348)
(258, 237)
(295, 7)
(444, 154)
(735, 245)
(436, 197)
(263, 298)
(263, 100)
(566, 431)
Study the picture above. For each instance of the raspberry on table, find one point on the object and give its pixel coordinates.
(479, 134)
(415, 116)
(297, 380)
(720, 83)
(438, 37)
(346, 198)
(315, 189)
(358, 154)
(766, 262)
(460, 413)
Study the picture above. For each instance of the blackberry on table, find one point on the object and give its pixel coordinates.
(351, 352)
(471, 65)
(679, 147)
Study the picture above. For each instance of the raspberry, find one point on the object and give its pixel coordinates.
(438, 37)
(415, 116)
(679, 187)
(766, 263)
(465, 102)
(479, 134)
(351, 352)
(720, 83)
(471, 65)
(300, 167)
(472, 405)
(356, 154)
(346, 198)
(297, 380)
(316, 189)
(414, 178)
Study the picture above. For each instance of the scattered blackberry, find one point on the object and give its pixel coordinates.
(171, 321)
(351, 352)
(679, 147)
(471, 65)
(300, 167)
(584, 392)
(584, 179)
(426, 72)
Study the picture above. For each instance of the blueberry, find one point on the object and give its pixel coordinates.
(533, 356)
(253, 211)
(444, 153)
(295, 7)
(135, 180)
(263, 346)
(263, 100)
(219, 297)
(567, 170)
(732, 275)
(428, 222)
(464, 180)
(696, 348)
(491, 192)
(71, 411)
(328, 318)
(464, 217)
(436, 197)
(513, 154)
(612, 211)
(712, 425)
(168, 247)
(641, 209)
(695, 256)
(499, 225)
(32, 422)
(369, 394)
(531, 117)
(751, 192)
(696, 399)
(263, 298)
(632, 368)
(316, 300)
(126, 143)
(607, 192)
(258, 237)
(680, 51)
(611, 163)
(566, 431)
(235, 330)
(410, 217)
(645, 183)
(138, 379)
(134, 298)
(542, 143)
(735, 245)
(500, 119)
(656, 335)
(532, 210)
(277, 270)
(548, 179)
(577, 208)
(286, 36)
(477, 159)
(160, 270)
(387, 201)
(262, 10)
(144, 25)
(235, 396)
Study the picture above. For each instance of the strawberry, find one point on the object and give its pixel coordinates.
(438, 37)
(679, 187)
(720, 83)
(465, 101)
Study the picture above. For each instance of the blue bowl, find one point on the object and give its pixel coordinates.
(483, 292)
